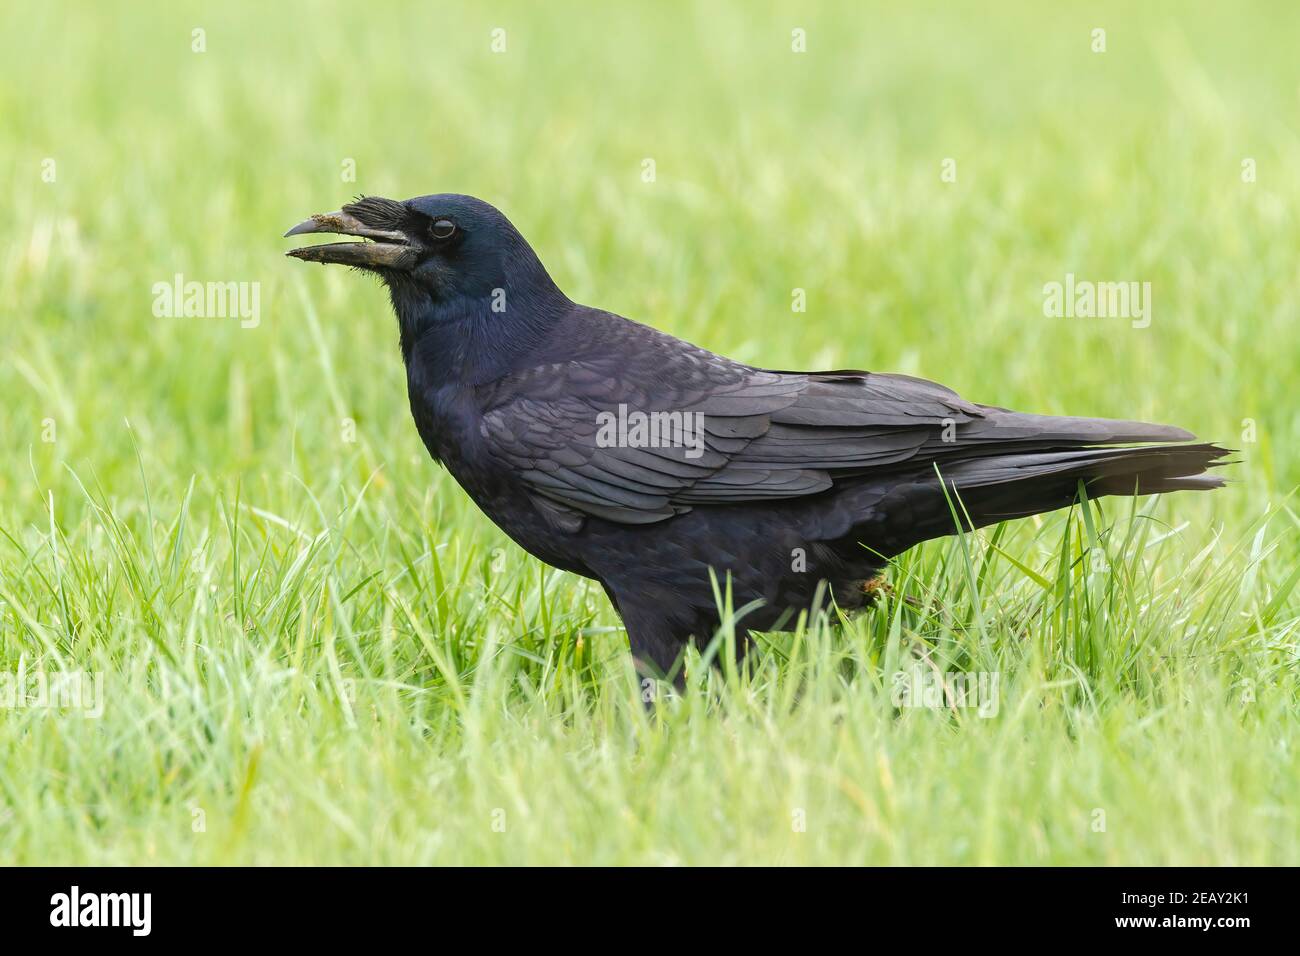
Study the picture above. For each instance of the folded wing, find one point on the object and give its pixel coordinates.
(638, 436)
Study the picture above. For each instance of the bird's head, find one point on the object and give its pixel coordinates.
(444, 258)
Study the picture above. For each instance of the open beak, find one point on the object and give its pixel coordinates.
(389, 249)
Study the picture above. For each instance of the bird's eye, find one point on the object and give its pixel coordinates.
(442, 229)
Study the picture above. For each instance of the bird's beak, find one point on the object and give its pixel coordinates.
(389, 249)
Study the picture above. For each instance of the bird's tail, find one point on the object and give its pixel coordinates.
(1038, 466)
(1028, 483)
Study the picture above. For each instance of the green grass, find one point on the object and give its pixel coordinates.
(316, 650)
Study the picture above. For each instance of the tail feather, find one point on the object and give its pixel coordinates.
(1006, 428)
(1013, 466)
(1022, 484)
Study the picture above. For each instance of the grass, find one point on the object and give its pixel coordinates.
(313, 648)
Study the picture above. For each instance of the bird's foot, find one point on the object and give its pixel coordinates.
(877, 588)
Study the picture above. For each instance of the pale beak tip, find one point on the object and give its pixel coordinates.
(311, 225)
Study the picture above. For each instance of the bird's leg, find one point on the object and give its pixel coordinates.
(655, 649)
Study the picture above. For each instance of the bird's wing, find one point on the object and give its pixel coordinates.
(638, 438)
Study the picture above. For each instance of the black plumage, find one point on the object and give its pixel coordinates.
(784, 480)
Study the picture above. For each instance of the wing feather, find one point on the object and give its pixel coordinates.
(754, 434)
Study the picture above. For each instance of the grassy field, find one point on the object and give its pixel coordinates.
(305, 645)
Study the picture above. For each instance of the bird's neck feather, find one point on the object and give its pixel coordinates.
(462, 340)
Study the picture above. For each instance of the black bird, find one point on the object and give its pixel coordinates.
(618, 452)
